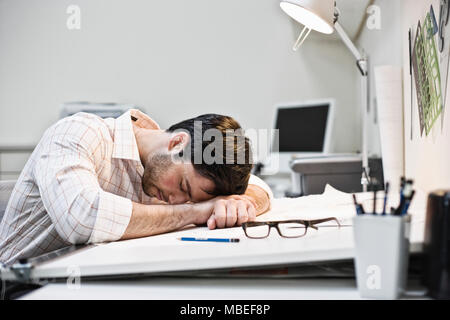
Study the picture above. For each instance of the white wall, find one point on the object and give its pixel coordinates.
(383, 47)
(427, 158)
(176, 59)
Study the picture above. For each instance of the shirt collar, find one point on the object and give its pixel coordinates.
(125, 146)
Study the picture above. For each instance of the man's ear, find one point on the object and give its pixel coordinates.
(178, 142)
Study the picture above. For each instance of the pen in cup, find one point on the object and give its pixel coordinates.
(359, 208)
(406, 192)
(386, 192)
(408, 203)
(402, 197)
(374, 200)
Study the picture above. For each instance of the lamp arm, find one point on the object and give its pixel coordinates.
(362, 64)
(360, 59)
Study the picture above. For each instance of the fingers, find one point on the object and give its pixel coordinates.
(251, 213)
(243, 213)
(220, 213)
(231, 212)
(211, 223)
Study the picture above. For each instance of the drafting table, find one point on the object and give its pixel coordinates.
(212, 289)
(203, 289)
(165, 254)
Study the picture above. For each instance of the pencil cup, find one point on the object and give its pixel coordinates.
(382, 254)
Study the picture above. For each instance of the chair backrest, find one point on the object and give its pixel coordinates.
(6, 188)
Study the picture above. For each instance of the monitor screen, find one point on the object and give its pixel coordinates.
(303, 128)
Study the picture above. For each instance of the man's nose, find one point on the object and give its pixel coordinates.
(178, 198)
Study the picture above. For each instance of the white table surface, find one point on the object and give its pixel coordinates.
(165, 253)
(209, 289)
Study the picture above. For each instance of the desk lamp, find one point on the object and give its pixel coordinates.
(322, 16)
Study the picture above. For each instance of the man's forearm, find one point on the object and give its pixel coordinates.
(147, 220)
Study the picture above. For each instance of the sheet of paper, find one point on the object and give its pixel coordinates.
(389, 90)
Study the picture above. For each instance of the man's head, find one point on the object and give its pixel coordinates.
(200, 158)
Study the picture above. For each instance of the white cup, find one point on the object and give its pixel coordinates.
(382, 254)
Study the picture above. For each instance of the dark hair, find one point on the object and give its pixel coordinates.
(228, 178)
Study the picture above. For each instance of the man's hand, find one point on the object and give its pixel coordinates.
(226, 212)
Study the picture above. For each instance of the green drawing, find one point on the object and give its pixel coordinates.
(428, 77)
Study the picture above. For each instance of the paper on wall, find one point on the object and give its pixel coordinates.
(388, 83)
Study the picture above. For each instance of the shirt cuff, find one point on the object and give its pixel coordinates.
(113, 217)
(254, 180)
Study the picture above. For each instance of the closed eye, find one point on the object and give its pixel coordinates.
(183, 190)
(181, 186)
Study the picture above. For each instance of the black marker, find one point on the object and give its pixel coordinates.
(386, 192)
(374, 200)
(359, 207)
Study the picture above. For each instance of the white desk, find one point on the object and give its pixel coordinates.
(164, 253)
(210, 289)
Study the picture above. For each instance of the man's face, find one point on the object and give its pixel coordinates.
(175, 183)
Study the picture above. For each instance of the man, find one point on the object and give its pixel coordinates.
(94, 180)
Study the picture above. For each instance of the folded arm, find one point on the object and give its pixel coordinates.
(219, 212)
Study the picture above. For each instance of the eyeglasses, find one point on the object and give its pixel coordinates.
(286, 229)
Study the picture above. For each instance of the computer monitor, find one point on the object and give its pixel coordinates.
(304, 128)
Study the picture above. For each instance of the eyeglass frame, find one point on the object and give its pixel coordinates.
(274, 224)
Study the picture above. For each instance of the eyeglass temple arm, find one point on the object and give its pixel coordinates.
(313, 222)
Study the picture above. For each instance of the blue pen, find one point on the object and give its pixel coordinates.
(208, 239)
(408, 203)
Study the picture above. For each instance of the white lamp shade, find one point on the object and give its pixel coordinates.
(317, 15)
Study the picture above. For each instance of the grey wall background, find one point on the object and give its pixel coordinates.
(176, 59)
(384, 47)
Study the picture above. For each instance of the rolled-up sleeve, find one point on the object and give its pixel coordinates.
(254, 180)
(66, 176)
